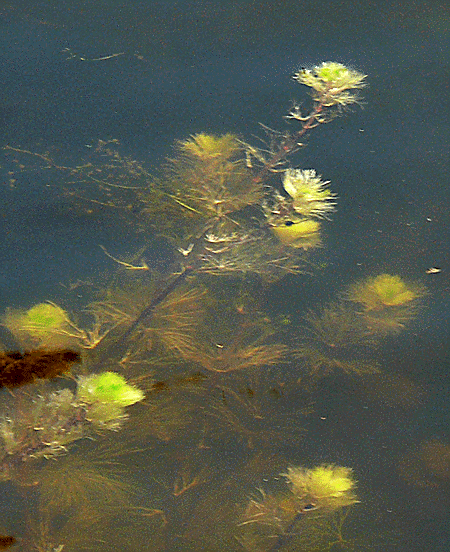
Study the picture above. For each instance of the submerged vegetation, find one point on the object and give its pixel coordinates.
(387, 302)
(278, 520)
(336, 338)
(189, 364)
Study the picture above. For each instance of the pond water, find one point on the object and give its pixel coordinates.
(224, 290)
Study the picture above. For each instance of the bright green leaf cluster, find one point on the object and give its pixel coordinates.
(108, 387)
(327, 486)
(39, 322)
(332, 83)
(105, 397)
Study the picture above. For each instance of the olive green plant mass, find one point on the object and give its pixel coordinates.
(188, 390)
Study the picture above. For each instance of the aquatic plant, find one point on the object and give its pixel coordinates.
(209, 174)
(105, 397)
(168, 322)
(175, 320)
(76, 501)
(85, 487)
(352, 529)
(39, 324)
(299, 233)
(43, 424)
(273, 510)
(327, 487)
(334, 87)
(47, 325)
(272, 520)
(251, 409)
(333, 84)
(238, 252)
(384, 290)
(239, 345)
(311, 196)
(222, 204)
(108, 387)
(388, 302)
(235, 356)
(336, 338)
(170, 415)
(211, 179)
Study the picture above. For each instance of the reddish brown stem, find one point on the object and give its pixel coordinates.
(288, 145)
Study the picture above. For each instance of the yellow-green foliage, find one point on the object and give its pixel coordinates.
(311, 196)
(327, 486)
(391, 290)
(331, 83)
(106, 396)
(339, 75)
(207, 147)
(384, 290)
(209, 175)
(108, 387)
(39, 323)
(302, 234)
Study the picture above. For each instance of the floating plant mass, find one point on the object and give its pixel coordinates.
(211, 388)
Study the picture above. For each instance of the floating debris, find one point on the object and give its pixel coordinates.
(17, 369)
